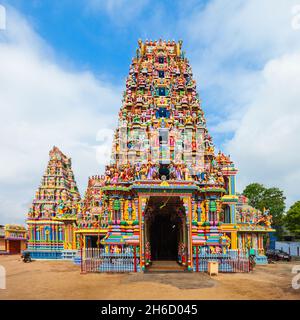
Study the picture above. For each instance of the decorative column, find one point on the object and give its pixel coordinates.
(135, 211)
(187, 204)
(122, 212)
(206, 210)
(194, 209)
(125, 210)
(142, 203)
(199, 211)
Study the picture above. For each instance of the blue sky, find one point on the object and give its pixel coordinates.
(93, 36)
(62, 71)
(101, 37)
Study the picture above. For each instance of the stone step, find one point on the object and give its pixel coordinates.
(165, 266)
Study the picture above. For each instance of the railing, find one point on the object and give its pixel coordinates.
(97, 260)
(226, 262)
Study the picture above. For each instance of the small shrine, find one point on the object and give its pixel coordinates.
(13, 239)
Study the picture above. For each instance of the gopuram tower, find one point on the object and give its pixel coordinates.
(52, 216)
(163, 173)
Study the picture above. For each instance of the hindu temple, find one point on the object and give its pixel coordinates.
(166, 193)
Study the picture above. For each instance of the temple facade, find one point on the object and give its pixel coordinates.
(165, 195)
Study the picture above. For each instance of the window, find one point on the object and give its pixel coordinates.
(227, 214)
(162, 113)
(161, 60)
(163, 136)
(161, 74)
(161, 91)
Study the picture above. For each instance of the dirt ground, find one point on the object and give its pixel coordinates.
(62, 280)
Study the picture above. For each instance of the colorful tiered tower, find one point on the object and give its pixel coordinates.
(165, 194)
(52, 216)
(163, 170)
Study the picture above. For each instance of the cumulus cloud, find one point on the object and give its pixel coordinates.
(245, 55)
(229, 44)
(266, 142)
(42, 104)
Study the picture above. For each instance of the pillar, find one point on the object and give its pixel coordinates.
(232, 214)
(206, 210)
(142, 203)
(232, 184)
(234, 240)
(187, 203)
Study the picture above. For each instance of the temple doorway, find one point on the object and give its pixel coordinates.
(165, 227)
(93, 241)
(14, 246)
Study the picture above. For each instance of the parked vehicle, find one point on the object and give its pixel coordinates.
(278, 255)
(26, 257)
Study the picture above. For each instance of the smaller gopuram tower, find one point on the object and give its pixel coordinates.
(52, 215)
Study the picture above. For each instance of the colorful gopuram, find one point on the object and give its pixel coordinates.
(166, 194)
(52, 216)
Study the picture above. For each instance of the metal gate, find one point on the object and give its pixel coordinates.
(226, 262)
(97, 260)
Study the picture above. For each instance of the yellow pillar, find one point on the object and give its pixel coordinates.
(206, 210)
(84, 242)
(73, 238)
(195, 207)
(233, 240)
(203, 213)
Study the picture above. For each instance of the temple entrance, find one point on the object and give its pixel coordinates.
(165, 228)
(164, 237)
(93, 241)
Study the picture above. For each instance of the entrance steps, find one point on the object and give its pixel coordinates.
(165, 266)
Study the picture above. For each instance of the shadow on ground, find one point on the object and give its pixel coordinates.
(178, 280)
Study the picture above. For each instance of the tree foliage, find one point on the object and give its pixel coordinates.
(262, 198)
(254, 192)
(292, 219)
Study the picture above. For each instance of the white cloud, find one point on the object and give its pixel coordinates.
(229, 42)
(266, 144)
(246, 55)
(43, 104)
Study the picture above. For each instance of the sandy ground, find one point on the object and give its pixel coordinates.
(62, 280)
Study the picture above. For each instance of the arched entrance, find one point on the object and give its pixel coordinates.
(165, 228)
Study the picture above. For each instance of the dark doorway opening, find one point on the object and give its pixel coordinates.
(164, 238)
(165, 227)
(93, 242)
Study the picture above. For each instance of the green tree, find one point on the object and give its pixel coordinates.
(292, 219)
(254, 192)
(273, 199)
